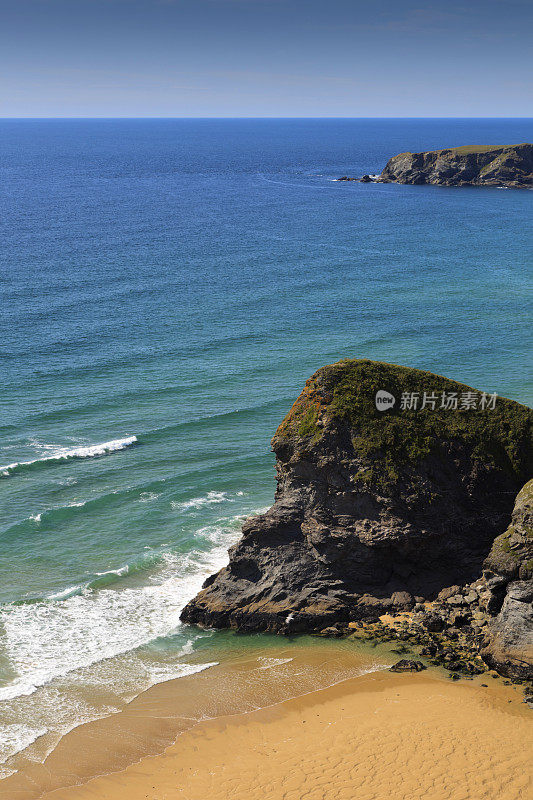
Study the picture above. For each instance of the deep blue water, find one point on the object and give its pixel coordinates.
(177, 281)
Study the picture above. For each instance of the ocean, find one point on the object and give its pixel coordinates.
(167, 287)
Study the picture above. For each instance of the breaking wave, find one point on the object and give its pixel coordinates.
(83, 624)
(65, 454)
(211, 498)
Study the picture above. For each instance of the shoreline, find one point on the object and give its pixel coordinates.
(373, 734)
(261, 674)
(116, 757)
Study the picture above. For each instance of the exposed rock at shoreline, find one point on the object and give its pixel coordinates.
(363, 179)
(508, 573)
(407, 666)
(383, 512)
(507, 165)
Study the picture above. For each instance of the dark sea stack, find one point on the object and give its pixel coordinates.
(508, 165)
(373, 508)
(508, 574)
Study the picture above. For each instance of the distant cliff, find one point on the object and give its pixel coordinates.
(508, 165)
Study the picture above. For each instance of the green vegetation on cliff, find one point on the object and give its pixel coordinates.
(471, 165)
(512, 552)
(345, 393)
(470, 149)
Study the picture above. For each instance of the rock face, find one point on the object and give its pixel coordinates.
(373, 507)
(509, 165)
(510, 648)
(508, 574)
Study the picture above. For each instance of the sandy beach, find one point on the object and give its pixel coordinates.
(373, 737)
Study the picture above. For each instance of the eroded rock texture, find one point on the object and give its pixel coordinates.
(508, 574)
(372, 508)
(509, 165)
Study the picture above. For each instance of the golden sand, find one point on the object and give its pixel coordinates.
(381, 736)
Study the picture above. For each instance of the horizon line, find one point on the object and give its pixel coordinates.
(244, 117)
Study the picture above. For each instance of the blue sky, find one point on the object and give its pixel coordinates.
(308, 58)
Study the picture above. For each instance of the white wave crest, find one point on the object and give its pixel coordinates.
(45, 640)
(120, 571)
(198, 502)
(64, 594)
(145, 497)
(63, 454)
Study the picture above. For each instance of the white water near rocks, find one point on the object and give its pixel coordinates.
(54, 642)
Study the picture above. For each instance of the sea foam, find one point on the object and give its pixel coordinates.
(78, 627)
(64, 454)
(13, 739)
(199, 502)
(211, 498)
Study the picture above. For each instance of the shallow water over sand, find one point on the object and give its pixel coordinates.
(252, 672)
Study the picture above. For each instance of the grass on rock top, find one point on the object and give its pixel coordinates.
(345, 391)
(472, 148)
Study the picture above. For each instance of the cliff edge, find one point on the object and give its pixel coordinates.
(392, 484)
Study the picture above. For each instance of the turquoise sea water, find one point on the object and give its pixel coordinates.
(167, 288)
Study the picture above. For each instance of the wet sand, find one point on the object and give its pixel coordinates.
(370, 738)
(254, 672)
(229, 734)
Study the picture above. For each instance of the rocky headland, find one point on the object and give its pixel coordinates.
(510, 166)
(401, 511)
